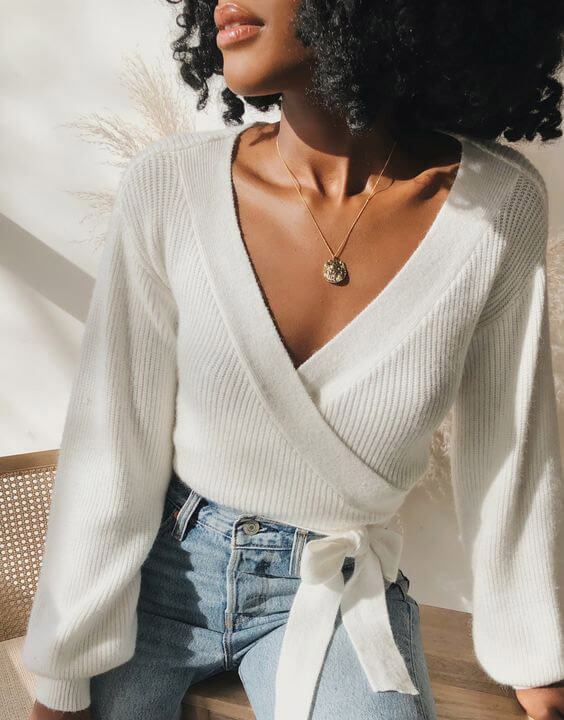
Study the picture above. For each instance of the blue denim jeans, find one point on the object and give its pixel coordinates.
(216, 591)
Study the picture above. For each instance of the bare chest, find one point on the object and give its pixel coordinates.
(287, 253)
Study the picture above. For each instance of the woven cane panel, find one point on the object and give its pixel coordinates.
(24, 508)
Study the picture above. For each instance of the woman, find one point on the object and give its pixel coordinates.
(283, 316)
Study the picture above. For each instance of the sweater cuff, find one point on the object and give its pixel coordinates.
(57, 694)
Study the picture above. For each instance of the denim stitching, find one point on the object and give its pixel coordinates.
(264, 547)
(184, 517)
(298, 542)
(210, 527)
(228, 535)
(418, 698)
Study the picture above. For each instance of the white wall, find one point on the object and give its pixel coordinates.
(62, 60)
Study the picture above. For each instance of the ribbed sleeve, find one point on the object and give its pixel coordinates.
(113, 470)
(506, 468)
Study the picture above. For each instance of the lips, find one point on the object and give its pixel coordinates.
(233, 14)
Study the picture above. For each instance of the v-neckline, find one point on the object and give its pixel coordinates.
(319, 368)
(295, 398)
(346, 333)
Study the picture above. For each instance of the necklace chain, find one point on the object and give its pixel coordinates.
(335, 270)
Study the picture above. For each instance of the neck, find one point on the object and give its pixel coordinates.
(324, 155)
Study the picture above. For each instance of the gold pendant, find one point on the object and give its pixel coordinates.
(335, 270)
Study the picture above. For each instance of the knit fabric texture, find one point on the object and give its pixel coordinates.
(181, 367)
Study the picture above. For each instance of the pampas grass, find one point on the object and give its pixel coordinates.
(164, 109)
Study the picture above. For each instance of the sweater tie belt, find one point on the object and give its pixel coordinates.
(364, 611)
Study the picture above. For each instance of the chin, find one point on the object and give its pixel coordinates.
(243, 83)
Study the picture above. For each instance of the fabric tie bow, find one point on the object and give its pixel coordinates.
(364, 611)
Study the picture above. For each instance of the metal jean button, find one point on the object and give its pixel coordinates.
(251, 528)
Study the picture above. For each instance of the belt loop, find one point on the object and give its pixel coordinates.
(300, 536)
(185, 514)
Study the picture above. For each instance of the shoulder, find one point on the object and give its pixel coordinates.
(528, 184)
(519, 236)
(526, 209)
(178, 143)
(150, 198)
(514, 193)
(152, 171)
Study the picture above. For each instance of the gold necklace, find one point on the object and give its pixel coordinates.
(334, 270)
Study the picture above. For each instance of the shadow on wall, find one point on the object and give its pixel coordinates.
(42, 269)
(164, 109)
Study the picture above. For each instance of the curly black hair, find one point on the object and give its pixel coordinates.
(484, 69)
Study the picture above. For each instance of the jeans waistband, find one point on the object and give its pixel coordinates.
(222, 517)
(244, 529)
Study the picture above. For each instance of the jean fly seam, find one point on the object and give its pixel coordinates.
(230, 603)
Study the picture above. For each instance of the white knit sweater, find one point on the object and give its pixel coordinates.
(182, 366)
